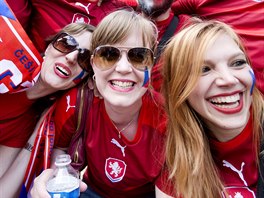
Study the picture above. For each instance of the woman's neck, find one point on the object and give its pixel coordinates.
(39, 90)
(123, 115)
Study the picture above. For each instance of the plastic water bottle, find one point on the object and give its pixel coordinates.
(65, 182)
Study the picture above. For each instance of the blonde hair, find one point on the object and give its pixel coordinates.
(116, 27)
(188, 155)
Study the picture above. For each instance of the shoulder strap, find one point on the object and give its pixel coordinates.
(167, 35)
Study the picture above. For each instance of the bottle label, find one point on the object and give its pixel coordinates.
(73, 194)
(63, 187)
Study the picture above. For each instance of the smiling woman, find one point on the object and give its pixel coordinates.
(127, 126)
(61, 69)
(214, 128)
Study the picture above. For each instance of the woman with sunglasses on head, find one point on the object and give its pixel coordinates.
(124, 130)
(65, 63)
(216, 114)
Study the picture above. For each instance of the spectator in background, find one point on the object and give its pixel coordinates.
(215, 112)
(246, 17)
(160, 12)
(42, 18)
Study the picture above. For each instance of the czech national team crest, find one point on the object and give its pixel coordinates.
(115, 169)
(239, 192)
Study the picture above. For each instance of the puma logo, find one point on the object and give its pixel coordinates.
(239, 172)
(68, 98)
(83, 6)
(119, 145)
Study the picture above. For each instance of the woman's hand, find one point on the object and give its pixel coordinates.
(39, 187)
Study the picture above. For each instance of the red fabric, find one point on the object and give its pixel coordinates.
(47, 17)
(236, 162)
(246, 17)
(17, 119)
(20, 64)
(156, 77)
(142, 160)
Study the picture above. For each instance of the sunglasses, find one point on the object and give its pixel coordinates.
(105, 57)
(66, 43)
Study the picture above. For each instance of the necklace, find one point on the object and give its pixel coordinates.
(124, 128)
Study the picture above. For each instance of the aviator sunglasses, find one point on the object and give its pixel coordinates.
(66, 43)
(105, 57)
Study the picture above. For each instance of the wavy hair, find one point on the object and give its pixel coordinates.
(188, 156)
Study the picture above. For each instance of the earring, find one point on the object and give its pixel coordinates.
(94, 77)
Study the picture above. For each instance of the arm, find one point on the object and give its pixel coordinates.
(184, 7)
(13, 165)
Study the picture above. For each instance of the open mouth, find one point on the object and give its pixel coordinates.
(62, 70)
(121, 84)
(226, 102)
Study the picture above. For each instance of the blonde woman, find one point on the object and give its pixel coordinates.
(124, 129)
(215, 114)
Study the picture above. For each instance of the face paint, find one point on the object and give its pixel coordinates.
(253, 80)
(79, 77)
(146, 78)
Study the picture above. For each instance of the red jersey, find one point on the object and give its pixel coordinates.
(156, 77)
(17, 119)
(43, 18)
(116, 167)
(236, 162)
(245, 16)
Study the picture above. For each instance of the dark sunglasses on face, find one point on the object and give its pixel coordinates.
(105, 57)
(66, 43)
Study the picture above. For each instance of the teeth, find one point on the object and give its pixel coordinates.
(225, 99)
(122, 84)
(61, 69)
(229, 106)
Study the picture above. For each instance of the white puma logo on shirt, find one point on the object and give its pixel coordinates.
(68, 98)
(83, 6)
(239, 172)
(119, 145)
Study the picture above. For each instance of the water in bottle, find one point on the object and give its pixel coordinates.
(65, 182)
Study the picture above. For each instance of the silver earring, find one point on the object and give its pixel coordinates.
(94, 77)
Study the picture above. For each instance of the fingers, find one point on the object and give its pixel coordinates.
(39, 186)
(83, 186)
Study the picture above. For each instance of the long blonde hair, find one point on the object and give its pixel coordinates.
(188, 155)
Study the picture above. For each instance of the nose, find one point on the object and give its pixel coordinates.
(71, 57)
(123, 65)
(226, 77)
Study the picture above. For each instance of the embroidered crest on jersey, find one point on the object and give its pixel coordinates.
(68, 98)
(238, 191)
(115, 169)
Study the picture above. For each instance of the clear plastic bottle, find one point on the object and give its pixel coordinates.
(65, 180)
